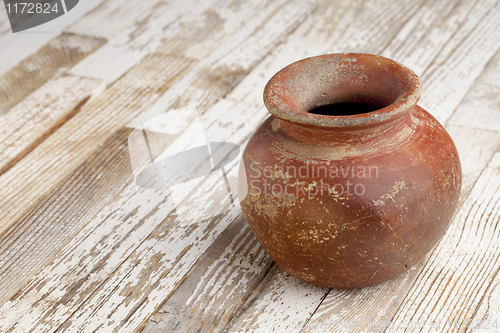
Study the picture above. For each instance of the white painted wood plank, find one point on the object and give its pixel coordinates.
(53, 59)
(461, 61)
(174, 252)
(206, 31)
(375, 27)
(217, 74)
(425, 33)
(132, 44)
(322, 28)
(4, 21)
(41, 113)
(16, 47)
(215, 289)
(480, 108)
(487, 316)
(290, 15)
(475, 148)
(360, 27)
(110, 17)
(138, 212)
(39, 172)
(278, 304)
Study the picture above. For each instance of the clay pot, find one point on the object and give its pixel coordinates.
(355, 192)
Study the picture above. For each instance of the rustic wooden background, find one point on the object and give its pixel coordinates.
(83, 249)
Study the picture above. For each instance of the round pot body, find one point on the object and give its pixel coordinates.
(348, 183)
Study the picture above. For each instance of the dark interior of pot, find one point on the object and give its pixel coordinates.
(344, 109)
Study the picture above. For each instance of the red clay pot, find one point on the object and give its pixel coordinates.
(353, 194)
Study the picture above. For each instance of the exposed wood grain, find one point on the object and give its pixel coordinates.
(24, 249)
(481, 108)
(131, 45)
(110, 17)
(220, 71)
(55, 245)
(14, 48)
(375, 27)
(205, 31)
(487, 316)
(275, 302)
(138, 213)
(475, 148)
(217, 286)
(426, 33)
(28, 181)
(326, 25)
(4, 21)
(55, 57)
(453, 72)
(352, 27)
(42, 113)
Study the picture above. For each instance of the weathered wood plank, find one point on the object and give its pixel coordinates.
(138, 212)
(487, 316)
(131, 45)
(475, 148)
(453, 72)
(189, 29)
(326, 25)
(217, 286)
(14, 48)
(287, 23)
(110, 17)
(427, 31)
(54, 58)
(174, 247)
(4, 21)
(220, 71)
(24, 248)
(359, 27)
(28, 181)
(41, 114)
(205, 31)
(480, 109)
(275, 303)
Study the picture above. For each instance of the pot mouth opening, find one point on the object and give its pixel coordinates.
(342, 90)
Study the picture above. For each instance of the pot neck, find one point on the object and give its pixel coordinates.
(346, 135)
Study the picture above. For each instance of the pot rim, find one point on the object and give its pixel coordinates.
(280, 99)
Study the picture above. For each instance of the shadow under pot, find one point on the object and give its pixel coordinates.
(349, 182)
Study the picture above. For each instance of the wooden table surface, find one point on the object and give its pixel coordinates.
(84, 249)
